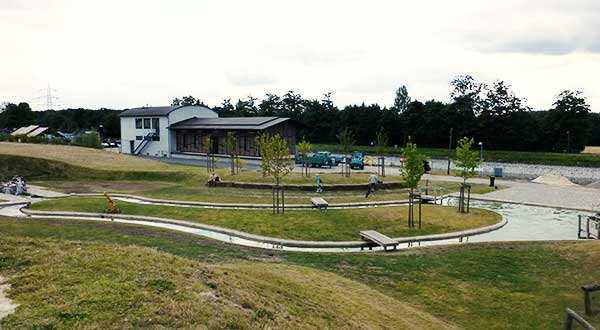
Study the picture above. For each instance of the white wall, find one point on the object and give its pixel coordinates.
(154, 148)
(167, 142)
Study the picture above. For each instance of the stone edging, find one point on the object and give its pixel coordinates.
(7, 204)
(270, 240)
(233, 205)
(308, 187)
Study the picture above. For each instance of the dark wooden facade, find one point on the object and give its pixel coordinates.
(193, 140)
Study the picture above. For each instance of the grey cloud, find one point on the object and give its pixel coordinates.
(250, 79)
(551, 28)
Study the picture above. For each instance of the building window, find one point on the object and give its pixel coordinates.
(139, 138)
(146, 123)
(247, 143)
(196, 141)
(138, 123)
(155, 122)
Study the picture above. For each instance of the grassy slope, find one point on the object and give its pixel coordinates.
(337, 225)
(478, 286)
(547, 158)
(69, 285)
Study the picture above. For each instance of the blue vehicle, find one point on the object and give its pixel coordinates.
(318, 159)
(357, 161)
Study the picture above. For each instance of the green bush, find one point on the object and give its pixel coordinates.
(88, 140)
(57, 140)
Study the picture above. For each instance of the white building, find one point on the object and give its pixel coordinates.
(145, 131)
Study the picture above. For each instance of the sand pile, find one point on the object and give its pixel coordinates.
(555, 180)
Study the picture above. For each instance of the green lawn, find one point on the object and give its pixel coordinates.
(336, 225)
(197, 191)
(474, 286)
(528, 157)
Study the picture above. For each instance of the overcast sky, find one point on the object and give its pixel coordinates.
(126, 53)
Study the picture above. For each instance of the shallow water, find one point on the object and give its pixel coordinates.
(529, 223)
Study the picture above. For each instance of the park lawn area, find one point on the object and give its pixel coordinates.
(474, 286)
(527, 157)
(98, 285)
(197, 191)
(328, 225)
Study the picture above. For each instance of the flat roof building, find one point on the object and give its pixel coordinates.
(162, 131)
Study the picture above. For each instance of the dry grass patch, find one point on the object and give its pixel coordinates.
(84, 157)
(76, 285)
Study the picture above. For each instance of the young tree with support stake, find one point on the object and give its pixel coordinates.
(304, 148)
(276, 163)
(210, 162)
(231, 144)
(381, 141)
(347, 140)
(466, 160)
(411, 173)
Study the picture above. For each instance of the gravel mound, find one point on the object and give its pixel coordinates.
(553, 179)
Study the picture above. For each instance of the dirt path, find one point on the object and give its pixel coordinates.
(6, 305)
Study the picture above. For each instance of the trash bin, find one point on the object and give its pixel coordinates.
(492, 181)
(498, 172)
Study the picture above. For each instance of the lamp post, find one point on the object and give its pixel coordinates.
(481, 150)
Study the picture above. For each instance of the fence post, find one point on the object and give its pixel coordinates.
(587, 300)
(588, 228)
(568, 321)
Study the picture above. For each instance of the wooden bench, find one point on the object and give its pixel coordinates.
(319, 203)
(571, 317)
(378, 238)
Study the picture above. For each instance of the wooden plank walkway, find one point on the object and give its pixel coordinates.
(378, 238)
(319, 203)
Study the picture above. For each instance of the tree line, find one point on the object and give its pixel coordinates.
(492, 114)
(105, 121)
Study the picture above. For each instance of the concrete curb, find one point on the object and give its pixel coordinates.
(269, 240)
(7, 204)
(309, 187)
(233, 205)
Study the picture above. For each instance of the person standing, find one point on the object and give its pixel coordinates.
(319, 184)
(372, 184)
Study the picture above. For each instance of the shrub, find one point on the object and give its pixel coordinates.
(88, 140)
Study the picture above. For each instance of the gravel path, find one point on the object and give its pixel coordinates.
(6, 305)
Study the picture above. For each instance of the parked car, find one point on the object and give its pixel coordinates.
(319, 159)
(357, 160)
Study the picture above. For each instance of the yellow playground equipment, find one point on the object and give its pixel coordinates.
(112, 208)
